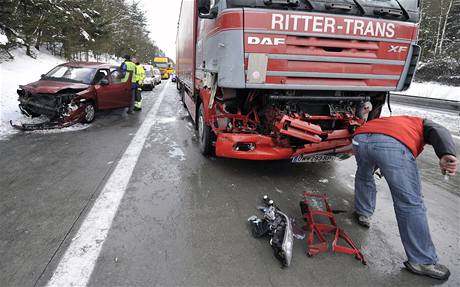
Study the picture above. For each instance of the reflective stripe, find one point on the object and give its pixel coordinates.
(140, 74)
(130, 67)
(332, 59)
(331, 75)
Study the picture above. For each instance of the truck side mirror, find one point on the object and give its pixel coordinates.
(205, 11)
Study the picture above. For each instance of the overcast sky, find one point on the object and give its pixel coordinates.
(162, 16)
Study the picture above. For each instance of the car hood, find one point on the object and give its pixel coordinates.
(52, 87)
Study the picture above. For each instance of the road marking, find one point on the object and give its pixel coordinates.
(456, 137)
(79, 260)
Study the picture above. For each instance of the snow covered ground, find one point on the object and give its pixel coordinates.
(433, 90)
(22, 70)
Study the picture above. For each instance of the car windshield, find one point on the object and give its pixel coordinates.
(407, 4)
(71, 74)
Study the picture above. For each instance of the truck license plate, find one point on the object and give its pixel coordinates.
(319, 158)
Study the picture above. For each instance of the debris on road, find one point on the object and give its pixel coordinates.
(47, 125)
(321, 230)
(277, 226)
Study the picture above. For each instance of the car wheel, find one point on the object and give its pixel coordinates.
(90, 112)
(205, 134)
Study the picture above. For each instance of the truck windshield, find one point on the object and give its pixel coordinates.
(307, 4)
(407, 4)
(71, 74)
(162, 65)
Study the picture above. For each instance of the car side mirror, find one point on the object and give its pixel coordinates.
(42, 76)
(104, 82)
(205, 11)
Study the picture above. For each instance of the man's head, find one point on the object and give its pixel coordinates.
(127, 57)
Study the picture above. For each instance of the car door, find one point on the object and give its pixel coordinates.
(105, 92)
(122, 89)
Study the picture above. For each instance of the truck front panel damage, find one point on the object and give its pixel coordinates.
(266, 125)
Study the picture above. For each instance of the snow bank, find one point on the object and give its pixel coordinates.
(434, 90)
(3, 38)
(22, 70)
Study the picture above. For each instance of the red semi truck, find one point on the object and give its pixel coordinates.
(286, 79)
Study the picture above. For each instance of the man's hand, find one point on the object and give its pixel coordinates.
(448, 164)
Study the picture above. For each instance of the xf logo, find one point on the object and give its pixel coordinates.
(397, 49)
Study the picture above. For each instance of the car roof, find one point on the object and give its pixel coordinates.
(94, 65)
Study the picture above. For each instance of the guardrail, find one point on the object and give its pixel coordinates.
(439, 104)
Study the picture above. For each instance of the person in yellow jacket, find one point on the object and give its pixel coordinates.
(128, 67)
(140, 76)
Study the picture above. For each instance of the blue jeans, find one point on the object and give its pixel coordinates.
(399, 168)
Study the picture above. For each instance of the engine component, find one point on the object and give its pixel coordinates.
(277, 226)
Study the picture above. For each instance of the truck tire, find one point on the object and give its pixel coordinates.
(90, 112)
(205, 134)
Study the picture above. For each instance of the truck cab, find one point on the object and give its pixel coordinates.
(285, 79)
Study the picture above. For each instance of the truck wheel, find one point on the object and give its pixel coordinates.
(90, 112)
(205, 133)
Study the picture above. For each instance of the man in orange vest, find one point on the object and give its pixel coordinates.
(392, 144)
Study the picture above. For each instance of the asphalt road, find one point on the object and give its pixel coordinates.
(182, 219)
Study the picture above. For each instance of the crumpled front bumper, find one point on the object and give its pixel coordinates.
(260, 147)
(250, 146)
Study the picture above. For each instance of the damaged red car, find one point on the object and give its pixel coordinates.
(73, 92)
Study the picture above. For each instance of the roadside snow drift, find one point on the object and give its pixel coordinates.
(22, 70)
(434, 90)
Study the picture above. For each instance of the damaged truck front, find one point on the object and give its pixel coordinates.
(270, 80)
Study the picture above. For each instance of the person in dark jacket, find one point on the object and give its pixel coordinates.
(392, 144)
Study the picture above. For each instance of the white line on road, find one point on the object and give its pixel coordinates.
(78, 262)
(456, 137)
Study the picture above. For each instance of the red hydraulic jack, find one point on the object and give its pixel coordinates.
(322, 229)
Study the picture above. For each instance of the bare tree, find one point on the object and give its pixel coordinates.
(445, 26)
